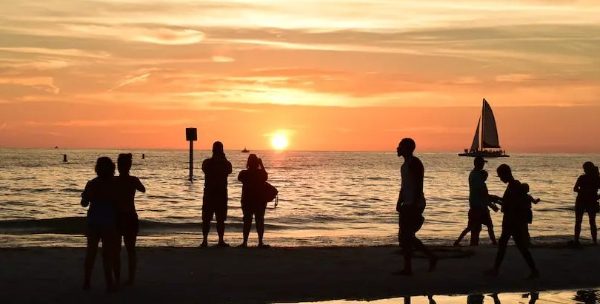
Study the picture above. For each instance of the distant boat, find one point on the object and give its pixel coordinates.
(486, 145)
(245, 150)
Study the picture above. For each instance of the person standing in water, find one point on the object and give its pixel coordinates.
(99, 195)
(214, 202)
(514, 221)
(253, 203)
(411, 204)
(127, 218)
(587, 187)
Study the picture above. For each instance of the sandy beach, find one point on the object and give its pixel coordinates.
(232, 275)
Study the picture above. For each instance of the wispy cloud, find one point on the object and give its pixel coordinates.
(44, 83)
(515, 78)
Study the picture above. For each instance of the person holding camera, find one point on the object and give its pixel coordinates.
(253, 202)
(214, 201)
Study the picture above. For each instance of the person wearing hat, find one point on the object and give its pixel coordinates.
(479, 201)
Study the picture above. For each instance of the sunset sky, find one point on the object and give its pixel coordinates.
(331, 74)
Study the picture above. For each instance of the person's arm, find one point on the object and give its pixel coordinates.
(418, 174)
(205, 166)
(85, 200)
(139, 186)
(577, 185)
(264, 174)
(229, 168)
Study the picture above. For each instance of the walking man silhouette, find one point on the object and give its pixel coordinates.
(514, 221)
(410, 206)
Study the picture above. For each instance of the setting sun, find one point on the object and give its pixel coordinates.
(279, 141)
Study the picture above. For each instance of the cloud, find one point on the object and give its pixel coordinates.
(168, 36)
(222, 59)
(514, 78)
(57, 52)
(131, 80)
(44, 83)
(110, 123)
(154, 34)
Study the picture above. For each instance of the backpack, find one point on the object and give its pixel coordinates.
(269, 193)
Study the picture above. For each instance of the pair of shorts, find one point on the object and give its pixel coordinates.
(217, 210)
(128, 224)
(591, 207)
(106, 233)
(254, 209)
(478, 217)
(410, 220)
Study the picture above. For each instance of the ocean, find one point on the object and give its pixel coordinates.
(325, 198)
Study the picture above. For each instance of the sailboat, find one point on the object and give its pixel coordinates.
(245, 150)
(486, 145)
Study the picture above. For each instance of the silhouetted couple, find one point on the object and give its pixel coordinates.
(479, 203)
(110, 217)
(587, 187)
(410, 206)
(214, 202)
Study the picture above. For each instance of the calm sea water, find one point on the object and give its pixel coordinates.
(326, 198)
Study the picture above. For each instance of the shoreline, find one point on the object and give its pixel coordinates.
(289, 274)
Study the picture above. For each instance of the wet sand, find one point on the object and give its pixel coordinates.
(232, 275)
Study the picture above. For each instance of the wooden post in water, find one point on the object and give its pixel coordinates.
(191, 135)
(65, 158)
(143, 156)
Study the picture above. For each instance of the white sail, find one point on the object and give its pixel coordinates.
(475, 144)
(489, 132)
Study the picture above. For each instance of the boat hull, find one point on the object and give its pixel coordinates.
(484, 154)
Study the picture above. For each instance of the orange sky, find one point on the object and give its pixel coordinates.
(335, 75)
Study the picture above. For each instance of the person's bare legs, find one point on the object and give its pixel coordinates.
(578, 220)
(461, 236)
(247, 227)
(475, 231)
(206, 219)
(260, 226)
(116, 258)
(522, 240)
(90, 256)
(502, 243)
(492, 235)
(130, 240)
(593, 228)
(109, 250)
(221, 231)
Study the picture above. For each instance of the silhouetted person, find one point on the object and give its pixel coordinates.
(587, 186)
(214, 202)
(253, 203)
(127, 218)
(514, 221)
(479, 201)
(411, 204)
(101, 221)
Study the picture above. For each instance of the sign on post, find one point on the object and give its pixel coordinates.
(191, 135)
